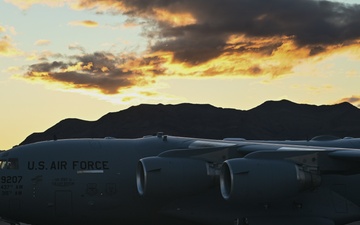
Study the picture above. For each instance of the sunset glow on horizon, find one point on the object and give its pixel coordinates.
(85, 58)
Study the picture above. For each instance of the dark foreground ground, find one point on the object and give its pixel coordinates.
(2, 223)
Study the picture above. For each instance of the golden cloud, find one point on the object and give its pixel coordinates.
(175, 19)
(205, 38)
(7, 48)
(112, 74)
(100, 71)
(158, 13)
(85, 23)
(104, 5)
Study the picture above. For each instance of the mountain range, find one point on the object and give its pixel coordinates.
(272, 120)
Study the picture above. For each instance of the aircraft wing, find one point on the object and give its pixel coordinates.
(324, 159)
(217, 151)
(350, 155)
(209, 151)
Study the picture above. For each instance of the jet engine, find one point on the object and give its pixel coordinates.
(172, 177)
(252, 180)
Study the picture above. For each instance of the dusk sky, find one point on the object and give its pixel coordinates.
(85, 58)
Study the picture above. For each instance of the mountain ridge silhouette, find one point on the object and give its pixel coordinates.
(271, 120)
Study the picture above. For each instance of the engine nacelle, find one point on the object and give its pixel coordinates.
(172, 177)
(252, 180)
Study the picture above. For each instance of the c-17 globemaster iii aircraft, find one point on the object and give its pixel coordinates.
(167, 180)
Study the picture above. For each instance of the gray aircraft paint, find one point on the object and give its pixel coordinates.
(95, 181)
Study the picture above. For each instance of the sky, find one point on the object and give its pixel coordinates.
(85, 58)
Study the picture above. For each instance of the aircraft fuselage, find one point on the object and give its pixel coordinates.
(95, 181)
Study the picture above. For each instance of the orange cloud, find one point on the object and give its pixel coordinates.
(205, 38)
(175, 19)
(103, 6)
(100, 71)
(112, 74)
(2, 29)
(195, 34)
(85, 23)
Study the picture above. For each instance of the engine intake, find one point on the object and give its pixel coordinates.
(250, 180)
(172, 177)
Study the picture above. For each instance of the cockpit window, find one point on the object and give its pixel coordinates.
(2, 164)
(10, 164)
(13, 164)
